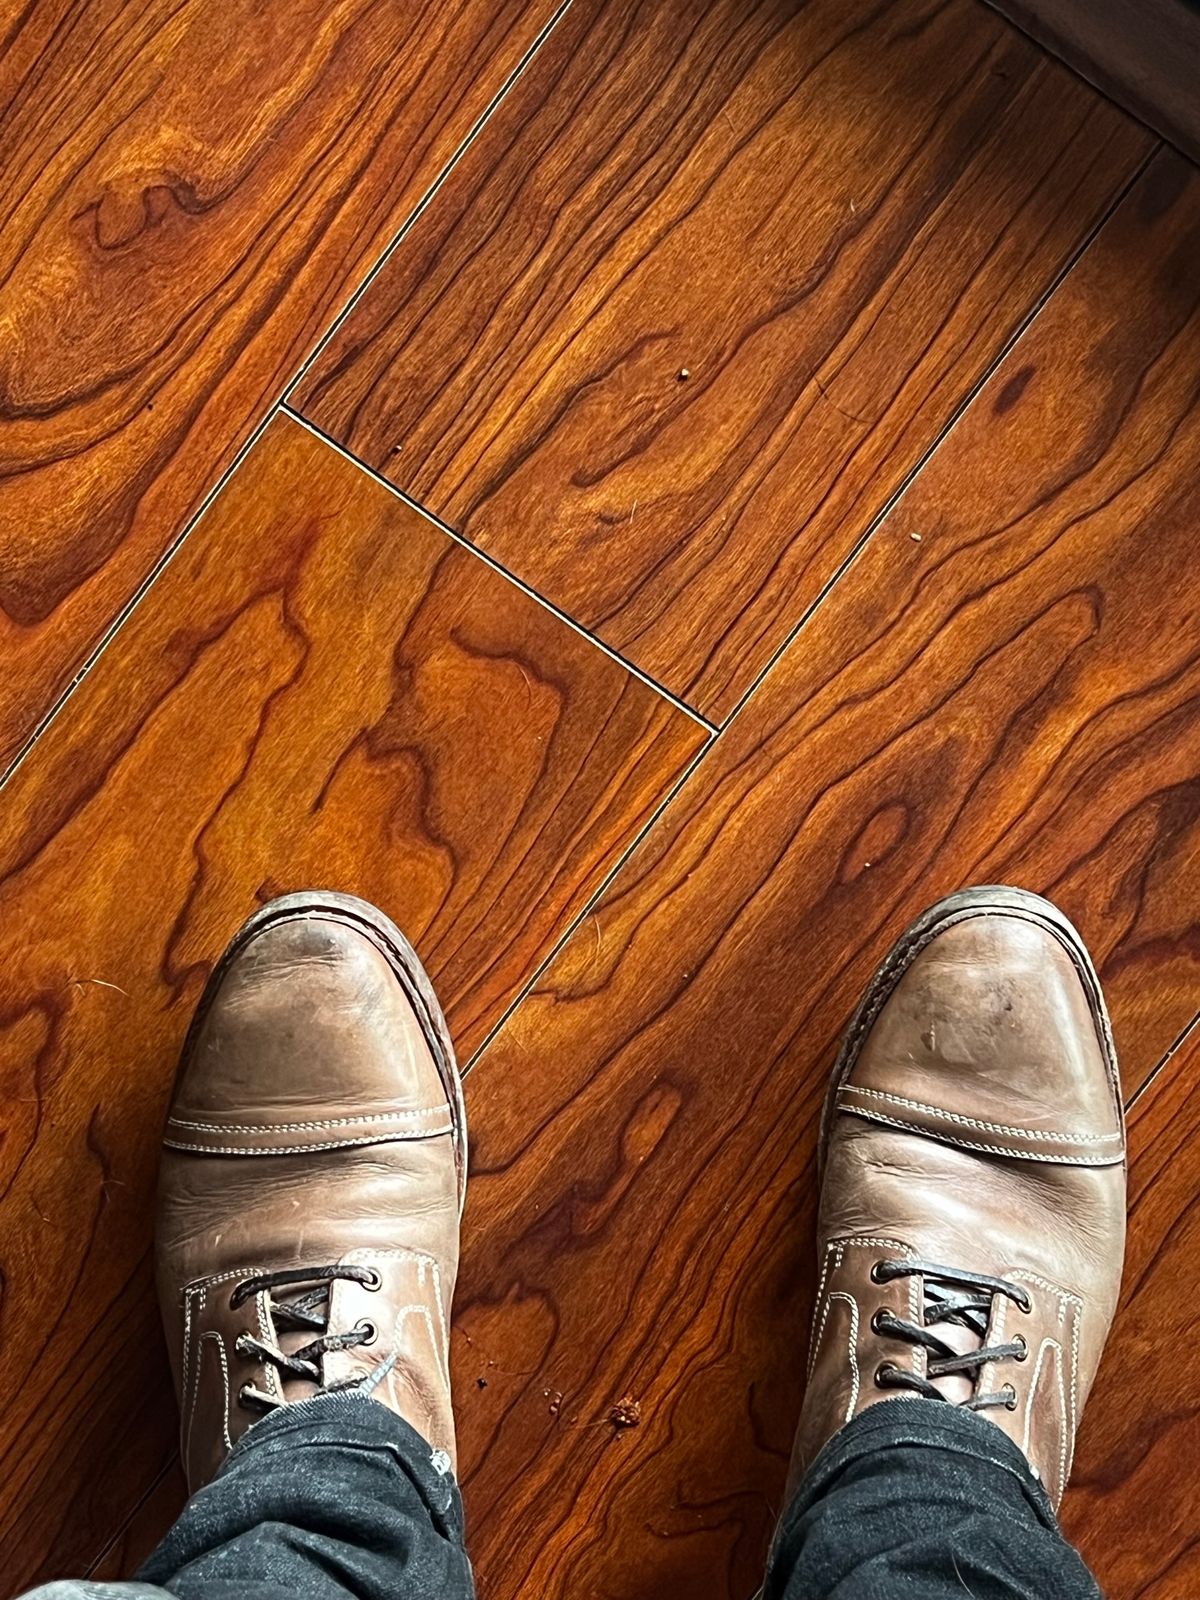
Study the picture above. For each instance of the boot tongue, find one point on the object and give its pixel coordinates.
(294, 1332)
(957, 1332)
(957, 1386)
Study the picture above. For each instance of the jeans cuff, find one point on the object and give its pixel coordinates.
(929, 1423)
(351, 1417)
(342, 1416)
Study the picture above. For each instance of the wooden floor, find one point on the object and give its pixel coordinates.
(653, 494)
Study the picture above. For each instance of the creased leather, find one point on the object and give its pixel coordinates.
(974, 1121)
(311, 1124)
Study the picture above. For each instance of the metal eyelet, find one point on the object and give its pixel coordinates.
(878, 1318)
(1026, 1309)
(243, 1396)
(239, 1344)
(374, 1282)
(1019, 1338)
(367, 1327)
(877, 1273)
(1010, 1397)
(884, 1369)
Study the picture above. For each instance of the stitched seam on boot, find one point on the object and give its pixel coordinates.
(975, 1122)
(977, 1144)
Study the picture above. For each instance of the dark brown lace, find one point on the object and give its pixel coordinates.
(951, 1297)
(307, 1310)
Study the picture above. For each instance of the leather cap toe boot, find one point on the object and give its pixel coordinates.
(972, 1220)
(312, 1180)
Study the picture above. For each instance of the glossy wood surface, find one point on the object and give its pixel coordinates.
(707, 287)
(140, 1534)
(321, 689)
(1132, 1505)
(188, 193)
(1005, 687)
(713, 280)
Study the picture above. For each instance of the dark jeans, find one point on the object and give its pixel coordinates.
(338, 1498)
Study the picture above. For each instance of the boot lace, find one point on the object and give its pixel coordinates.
(951, 1297)
(305, 1308)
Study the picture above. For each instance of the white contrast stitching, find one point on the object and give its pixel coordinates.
(906, 1250)
(852, 1345)
(991, 1149)
(974, 1122)
(298, 1149)
(819, 1332)
(831, 1250)
(212, 1334)
(1062, 1409)
(1065, 1434)
(1023, 1276)
(318, 1122)
(1065, 1299)
(995, 1337)
(1075, 1321)
(423, 1261)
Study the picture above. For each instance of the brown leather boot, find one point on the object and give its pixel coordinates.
(312, 1180)
(972, 1222)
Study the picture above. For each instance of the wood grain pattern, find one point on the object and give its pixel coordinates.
(1132, 1506)
(321, 689)
(188, 192)
(708, 286)
(143, 1531)
(1005, 687)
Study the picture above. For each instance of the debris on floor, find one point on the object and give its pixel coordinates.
(625, 1414)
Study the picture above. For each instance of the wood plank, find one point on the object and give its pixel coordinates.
(143, 1531)
(1132, 1506)
(830, 216)
(108, 1432)
(1004, 687)
(321, 688)
(189, 189)
(1144, 54)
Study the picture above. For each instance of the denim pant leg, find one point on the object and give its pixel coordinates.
(916, 1500)
(330, 1498)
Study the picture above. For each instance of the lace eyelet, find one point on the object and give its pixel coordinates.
(878, 1318)
(243, 1396)
(1010, 1397)
(369, 1329)
(1020, 1339)
(239, 1344)
(885, 1369)
(877, 1273)
(1026, 1307)
(374, 1282)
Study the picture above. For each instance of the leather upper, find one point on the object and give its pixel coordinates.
(316, 1121)
(974, 1122)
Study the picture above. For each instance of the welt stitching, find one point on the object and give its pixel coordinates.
(976, 1144)
(975, 1122)
(318, 1122)
(295, 1149)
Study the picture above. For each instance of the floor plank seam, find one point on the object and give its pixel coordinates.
(428, 197)
(594, 899)
(490, 561)
(1184, 1038)
(23, 752)
(876, 522)
(191, 522)
(129, 1521)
